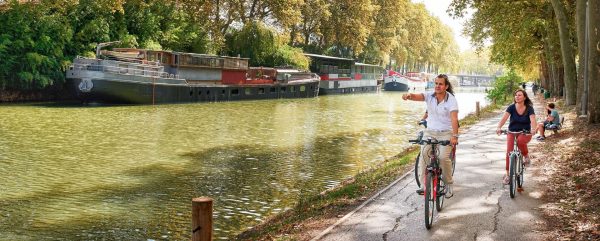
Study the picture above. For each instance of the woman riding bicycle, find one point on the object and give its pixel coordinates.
(442, 124)
(522, 117)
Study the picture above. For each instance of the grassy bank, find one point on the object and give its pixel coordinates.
(315, 213)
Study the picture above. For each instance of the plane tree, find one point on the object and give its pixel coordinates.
(552, 29)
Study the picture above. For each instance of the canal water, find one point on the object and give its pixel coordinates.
(130, 172)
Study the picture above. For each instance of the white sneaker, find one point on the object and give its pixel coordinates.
(449, 191)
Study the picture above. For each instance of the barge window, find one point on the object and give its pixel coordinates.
(248, 91)
(282, 89)
(223, 92)
(208, 92)
(261, 91)
(123, 68)
(292, 88)
(302, 88)
(235, 92)
(273, 90)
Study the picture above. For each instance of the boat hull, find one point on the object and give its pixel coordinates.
(133, 92)
(351, 90)
(333, 87)
(395, 86)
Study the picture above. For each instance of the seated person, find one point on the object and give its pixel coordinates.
(552, 120)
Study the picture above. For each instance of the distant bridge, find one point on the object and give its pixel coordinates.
(475, 80)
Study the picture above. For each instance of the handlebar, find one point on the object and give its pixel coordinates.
(430, 141)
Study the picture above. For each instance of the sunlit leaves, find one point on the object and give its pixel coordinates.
(516, 30)
(372, 31)
(264, 48)
(504, 85)
(349, 26)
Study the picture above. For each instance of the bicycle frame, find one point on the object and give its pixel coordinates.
(432, 183)
(434, 165)
(515, 167)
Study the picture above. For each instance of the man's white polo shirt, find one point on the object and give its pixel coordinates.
(438, 114)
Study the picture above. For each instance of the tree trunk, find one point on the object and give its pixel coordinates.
(580, 23)
(594, 62)
(567, 52)
(559, 82)
(555, 79)
(543, 72)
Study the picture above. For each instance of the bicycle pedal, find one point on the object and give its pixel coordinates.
(420, 192)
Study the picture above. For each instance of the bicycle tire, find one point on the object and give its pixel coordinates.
(453, 158)
(439, 197)
(429, 201)
(417, 179)
(512, 183)
(520, 173)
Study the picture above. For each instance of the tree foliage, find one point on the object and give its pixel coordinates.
(31, 47)
(39, 39)
(263, 46)
(528, 35)
(504, 86)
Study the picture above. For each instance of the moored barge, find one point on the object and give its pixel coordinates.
(345, 76)
(139, 76)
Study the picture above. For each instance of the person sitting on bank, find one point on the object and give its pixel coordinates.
(552, 120)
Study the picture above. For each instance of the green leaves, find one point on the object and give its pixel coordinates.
(504, 86)
(32, 46)
(254, 41)
(264, 47)
(269, 32)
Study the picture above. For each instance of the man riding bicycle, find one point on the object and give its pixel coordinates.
(442, 124)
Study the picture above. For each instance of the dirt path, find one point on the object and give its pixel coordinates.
(481, 208)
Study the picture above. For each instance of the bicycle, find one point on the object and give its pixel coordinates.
(420, 137)
(516, 168)
(434, 184)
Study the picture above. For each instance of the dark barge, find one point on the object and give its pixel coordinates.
(139, 76)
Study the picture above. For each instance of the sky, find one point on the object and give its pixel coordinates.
(438, 8)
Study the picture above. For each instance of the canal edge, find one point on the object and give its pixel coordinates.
(348, 215)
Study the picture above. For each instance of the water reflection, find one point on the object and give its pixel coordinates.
(130, 172)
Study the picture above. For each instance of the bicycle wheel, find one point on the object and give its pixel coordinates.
(429, 200)
(512, 169)
(417, 179)
(520, 173)
(439, 188)
(453, 159)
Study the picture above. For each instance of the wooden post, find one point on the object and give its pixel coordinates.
(202, 219)
(477, 109)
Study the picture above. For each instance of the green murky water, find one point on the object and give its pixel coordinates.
(130, 172)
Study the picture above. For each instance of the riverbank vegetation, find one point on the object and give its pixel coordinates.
(40, 38)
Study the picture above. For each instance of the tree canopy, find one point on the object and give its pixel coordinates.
(39, 38)
(541, 35)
